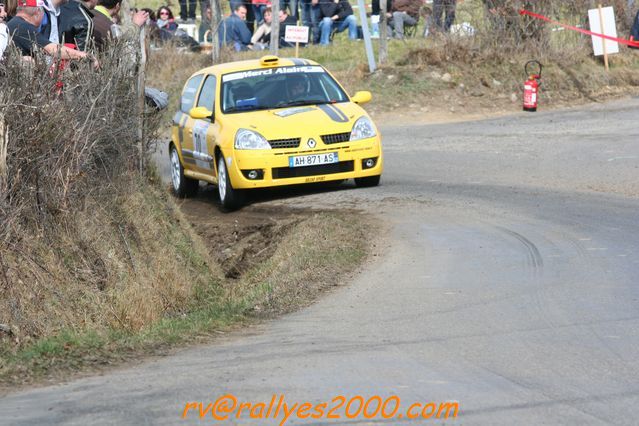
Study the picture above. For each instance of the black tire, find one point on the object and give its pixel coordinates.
(182, 186)
(367, 182)
(231, 199)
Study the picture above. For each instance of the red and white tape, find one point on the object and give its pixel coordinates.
(631, 43)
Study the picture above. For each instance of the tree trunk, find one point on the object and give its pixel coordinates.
(216, 18)
(275, 28)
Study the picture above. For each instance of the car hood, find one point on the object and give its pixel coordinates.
(299, 121)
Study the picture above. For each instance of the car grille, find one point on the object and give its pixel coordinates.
(324, 169)
(285, 143)
(336, 138)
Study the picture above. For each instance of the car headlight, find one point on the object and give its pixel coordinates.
(248, 139)
(363, 129)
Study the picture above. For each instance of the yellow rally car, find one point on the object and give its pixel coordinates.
(270, 122)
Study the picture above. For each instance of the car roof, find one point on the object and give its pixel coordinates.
(252, 64)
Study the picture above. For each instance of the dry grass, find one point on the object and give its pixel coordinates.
(123, 262)
(87, 243)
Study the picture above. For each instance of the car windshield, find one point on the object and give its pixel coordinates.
(279, 87)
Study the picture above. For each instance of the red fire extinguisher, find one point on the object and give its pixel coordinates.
(531, 86)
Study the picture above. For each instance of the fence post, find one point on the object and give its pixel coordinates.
(141, 103)
(4, 143)
(367, 36)
(125, 14)
(216, 18)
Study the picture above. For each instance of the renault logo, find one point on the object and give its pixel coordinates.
(311, 143)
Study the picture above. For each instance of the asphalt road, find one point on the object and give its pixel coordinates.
(508, 281)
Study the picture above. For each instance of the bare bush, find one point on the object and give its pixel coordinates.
(60, 142)
(68, 158)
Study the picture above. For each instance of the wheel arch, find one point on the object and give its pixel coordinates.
(178, 149)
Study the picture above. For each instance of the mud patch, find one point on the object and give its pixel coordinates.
(242, 239)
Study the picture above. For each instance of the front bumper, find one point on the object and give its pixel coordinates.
(273, 169)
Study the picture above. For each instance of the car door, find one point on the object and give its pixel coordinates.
(205, 130)
(184, 123)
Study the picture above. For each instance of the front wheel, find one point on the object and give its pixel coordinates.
(367, 182)
(182, 186)
(230, 198)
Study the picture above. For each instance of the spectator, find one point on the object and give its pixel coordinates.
(23, 29)
(49, 26)
(151, 25)
(285, 21)
(336, 15)
(187, 14)
(405, 13)
(205, 21)
(291, 6)
(102, 22)
(104, 25)
(446, 7)
(205, 24)
(427, 13)
(165, 19)
(250, 16)
(151, 14)
(311, 17)
(233, 30)
(259, 6)
(10, 7)
(375, 14)
(4, 31)
(76, 23)
(262, 36)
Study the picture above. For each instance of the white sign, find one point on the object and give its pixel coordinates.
(609, 29)
(295, 34)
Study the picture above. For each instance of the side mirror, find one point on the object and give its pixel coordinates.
(362, 97)
(201, 113)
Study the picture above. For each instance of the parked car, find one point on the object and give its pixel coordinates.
(270, 122)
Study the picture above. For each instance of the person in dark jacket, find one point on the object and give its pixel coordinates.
(104, 28)
(23, 29)
(285, 21)
(75, 23)
(338, 15)
(233, 30)
(376, 15)
(102, 22)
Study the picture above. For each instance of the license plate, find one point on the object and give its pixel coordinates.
(313, 159)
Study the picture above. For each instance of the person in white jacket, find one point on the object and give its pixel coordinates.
(4, 31)
(262, 36)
